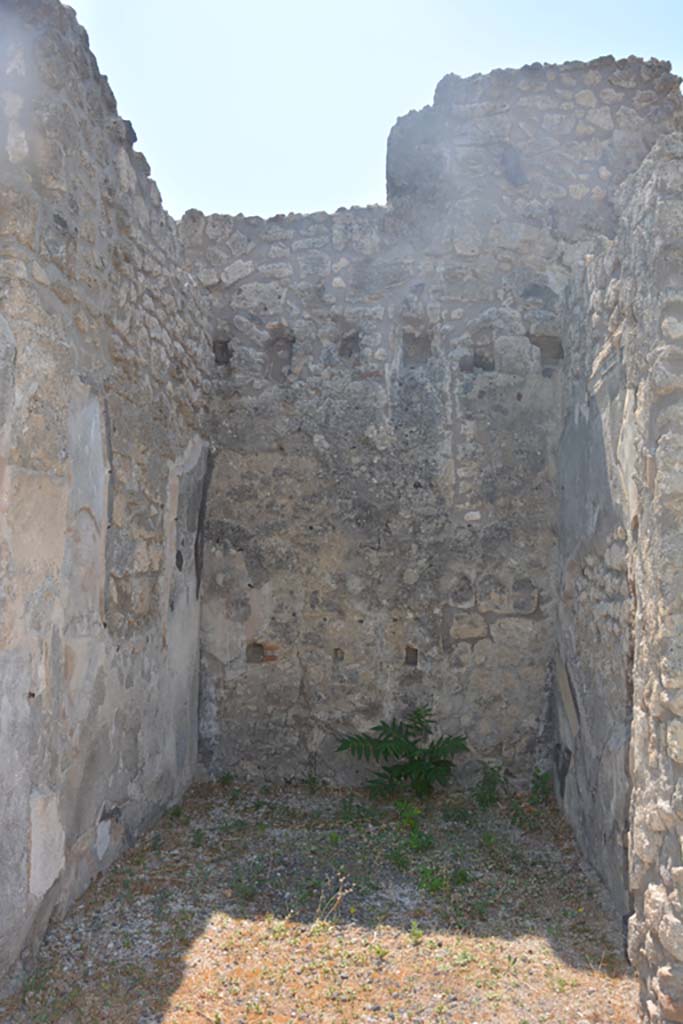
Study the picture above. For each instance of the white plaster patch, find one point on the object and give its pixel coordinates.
(102, 838)
(37, 520)
(17, 144)
(672, 328)
(47, 843)
(567, 698)
(674, 740)
(85, 550)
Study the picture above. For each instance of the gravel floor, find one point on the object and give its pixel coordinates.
(286, 904)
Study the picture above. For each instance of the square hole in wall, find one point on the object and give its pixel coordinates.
(411, 655)
(552, 352)
(255, 654)
(416, 349)
(349, 347)
(222, 351)
(278, 353)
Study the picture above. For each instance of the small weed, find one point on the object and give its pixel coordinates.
(460, 876)
(419, 841)
(160, 902)
(35, 982)
(487, 790)
(458, 812)
(399, 858)
(352, 811)
(226, 779)
(408, 814)
(175, 812)
(481, 908)
(319, 927)
(312, 782)
(463, 958)
(278, 929)
(432, 881)
(348, 809)
(197, 837)
(523, 814)
(330, 903)
(333, 839)
(416, 934)
(541, 788)
(244, 888)
(381, 952)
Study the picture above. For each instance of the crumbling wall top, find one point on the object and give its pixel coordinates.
(559, 137)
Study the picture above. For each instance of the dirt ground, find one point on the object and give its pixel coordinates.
(284, 904)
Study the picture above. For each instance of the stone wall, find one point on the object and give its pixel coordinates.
(618, 707)
(593, 671)
(386, 411)
(103, 341)
(650, 251)
(380, 522)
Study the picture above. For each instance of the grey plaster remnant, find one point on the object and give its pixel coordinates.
(8, 355)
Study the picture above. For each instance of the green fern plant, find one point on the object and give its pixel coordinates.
(415, 759)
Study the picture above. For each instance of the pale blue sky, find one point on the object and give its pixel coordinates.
(269, 106)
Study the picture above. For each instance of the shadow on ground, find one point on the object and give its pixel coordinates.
(302, 904)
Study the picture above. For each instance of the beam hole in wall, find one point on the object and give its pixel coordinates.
(483, 356)
(349, 346)
(279, 351)
(179, 560)
(482, 361)
(222, 352)
(411, 655)
(552, 352)
(256, 654)
(511, 165)
(416, 349)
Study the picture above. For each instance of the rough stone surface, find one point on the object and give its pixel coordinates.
(263, 482)
(386, 412)
(104, 342)
(380, 520)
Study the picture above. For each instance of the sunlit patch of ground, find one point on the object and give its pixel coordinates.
(290, 904)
